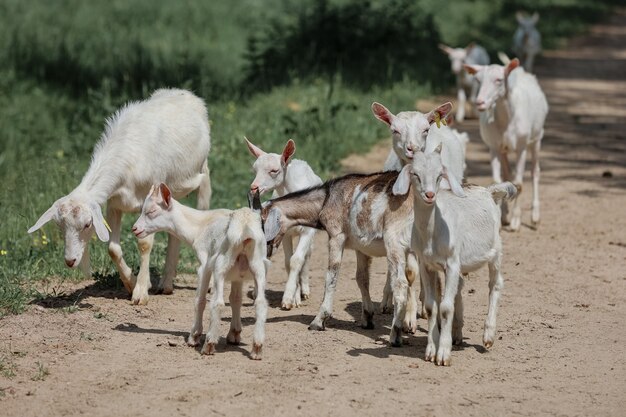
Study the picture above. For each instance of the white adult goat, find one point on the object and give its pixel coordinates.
(454, 235)
(230, 245)
(409, 130)
(513, 112)
(465, 84)
(165, 138)
(283, 175)
(526, 40)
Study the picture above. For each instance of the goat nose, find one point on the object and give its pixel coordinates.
(70, 262)
(134, 229)
(430, 194)
(254, 187)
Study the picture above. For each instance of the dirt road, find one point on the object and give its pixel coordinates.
(561, 339)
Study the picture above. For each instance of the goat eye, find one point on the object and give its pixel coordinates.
(87, 225)
(395, 132)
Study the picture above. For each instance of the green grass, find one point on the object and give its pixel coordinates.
(66, 65)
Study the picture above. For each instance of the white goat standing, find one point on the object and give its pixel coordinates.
(410, 131)
(454, 235)
(165, 138)
(513, 112)
(230, 245)
(465, 84)
(526, 40)
(283, 175)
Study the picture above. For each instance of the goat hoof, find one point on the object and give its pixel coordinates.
(430, 353)
(386, 309)
(257, 352)
(142, 301)
(487, 343)
(443, 357)
(369, 325)
(193, 341)
(286, 306)
(410, 328)
(305, 295)
(234, 337)
(208, 349)
(166, 290)
(317, 325)
(395, 338)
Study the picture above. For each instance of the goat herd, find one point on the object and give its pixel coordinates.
(418, 212)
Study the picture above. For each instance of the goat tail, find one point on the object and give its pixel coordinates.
(503, 191)
(244, 225)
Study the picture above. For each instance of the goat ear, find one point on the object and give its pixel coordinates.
(511, 66)
(535, 18)
(472, 69)
(455, 187)
(504, 58)
(254, 150)
(445, 48)
(440, 113)
(288, 151)
(470, 46)
(45, 218)
(382, 113)
(403, 182)
(520, 17)
(166, 194)
(272, 224)
(254, 201)
(102, 228)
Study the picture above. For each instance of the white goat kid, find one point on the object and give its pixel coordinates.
(513, 112)
(164, 138)
(283, 175)
(454, 235)
(465, 84)
(230, 245)
(526, 40)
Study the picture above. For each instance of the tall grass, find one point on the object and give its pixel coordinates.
(66, 65)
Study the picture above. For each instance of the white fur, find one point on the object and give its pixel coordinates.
(283, 175)
(164, 138)
(455, 232)
(411, 131)
(527, 40)
(230, 245)
(465, 84)
(513, 112)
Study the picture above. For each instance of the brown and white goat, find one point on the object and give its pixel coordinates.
(358, 212)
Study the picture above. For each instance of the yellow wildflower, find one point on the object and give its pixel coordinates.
(3, 252)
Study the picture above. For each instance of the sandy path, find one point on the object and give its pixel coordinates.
(561, 336)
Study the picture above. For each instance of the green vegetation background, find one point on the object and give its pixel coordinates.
(270, 69)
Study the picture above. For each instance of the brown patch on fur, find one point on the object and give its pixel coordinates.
(327, 206)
